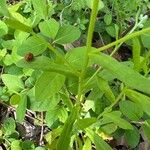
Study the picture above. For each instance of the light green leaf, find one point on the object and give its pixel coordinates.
(49, 28)
(40, 7)
(48, 84)
(132, 137)
(142, 100)
(122, 72)
(136, 53)
(104, 87)
(3, 8)
(65, 137)
(3, 28)
(34, 45)
(146, 128)
(16, 145)
(67, 34)
(89, 3)
(15, 24)
(87, 145)
(21, 109)
(108, 19)
(100, 143)
(84, 123)
(116, 119)
(131, 110)
(16, 85)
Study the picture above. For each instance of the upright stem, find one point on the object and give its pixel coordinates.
(88, 46)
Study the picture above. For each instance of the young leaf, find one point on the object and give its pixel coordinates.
(132, 137)
(16, 85)
(48, 84)
(142, 100)
(136, 53)
(116, 119)
(16, 145)
(67, 34)
(65, 137)
(40, 7)
(49, 28)
(21, 109)
(122, 72)
(131, 110)
(34, 45)
(104, 87)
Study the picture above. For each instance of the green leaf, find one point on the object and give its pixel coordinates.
(67, 34)
(84, 123)
(100, 143)
(3, 28)
(108, 19)
(15, 24)
(65, 137)
(45, 64)
(142, 100)
(9, 126)
(109, 128)
(145, 37)
(131, 110)
(136, 53)
(104, 87)
(28, 145)
(124, 73)
(16, 85)
(16, 145)
(146, 128)
(116, 119)
(132, 137)
(52, 115)
(49, 28)
(48, 84)
(89, 3)
(76, 56)
(40, 7)
(34, 45)
(21, 109)
(3, 8)
(15, 99)
(87, 145)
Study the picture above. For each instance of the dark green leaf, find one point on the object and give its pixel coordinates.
(132, 137)
(131, 110)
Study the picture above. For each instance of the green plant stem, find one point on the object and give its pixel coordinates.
(108, 109)
(88, 47)
(128, 37)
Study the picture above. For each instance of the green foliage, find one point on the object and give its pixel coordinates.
(49, 66)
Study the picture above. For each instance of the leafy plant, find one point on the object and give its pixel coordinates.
(83, 94)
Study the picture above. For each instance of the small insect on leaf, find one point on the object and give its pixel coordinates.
(29, 57)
